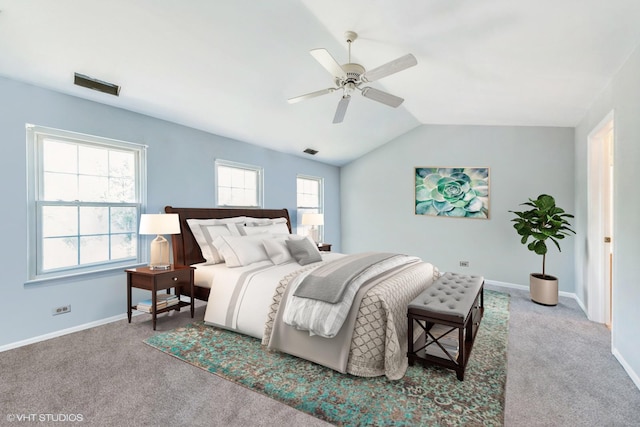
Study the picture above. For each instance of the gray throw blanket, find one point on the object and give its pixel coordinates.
(328, 282)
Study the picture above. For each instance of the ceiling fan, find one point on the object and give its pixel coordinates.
(350, 77)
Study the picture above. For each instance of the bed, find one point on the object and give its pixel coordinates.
(255, 297)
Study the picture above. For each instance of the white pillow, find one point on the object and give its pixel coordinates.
(206, 230)
(265, 229)
(264, 225)
(239, 251)
(277, 250)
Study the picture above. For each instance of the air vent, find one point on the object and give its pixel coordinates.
(311, 151)
(95, 84)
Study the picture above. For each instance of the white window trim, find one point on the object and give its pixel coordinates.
(34, 165)
(259, 170)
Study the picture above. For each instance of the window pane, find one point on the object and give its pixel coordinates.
(94, 220)
(59, 252)
(58, 221)
(122, 190)
(59, 187)
(59, 157)
(237, 178)
(224, 176)
(250, 180)
(224, 196)
(124, 246)
(122, 164)
(93, 161)
(93, 188)
(94, 249)
(124, 220)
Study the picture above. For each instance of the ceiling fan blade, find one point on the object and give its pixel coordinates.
(389, 68)
(310, 95)
(383, 97)
(328, 62)
(342, 109)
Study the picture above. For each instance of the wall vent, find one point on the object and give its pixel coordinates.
(95, 84)
(311, 151)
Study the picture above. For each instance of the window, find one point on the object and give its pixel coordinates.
(309, 200)
(85, 197)
(238, 185)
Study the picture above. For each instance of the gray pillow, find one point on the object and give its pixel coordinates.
(303, 251)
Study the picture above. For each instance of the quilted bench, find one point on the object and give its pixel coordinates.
(454, 302)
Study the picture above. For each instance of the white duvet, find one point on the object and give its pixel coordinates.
(240, 297)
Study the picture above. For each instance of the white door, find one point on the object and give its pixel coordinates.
(600, 223)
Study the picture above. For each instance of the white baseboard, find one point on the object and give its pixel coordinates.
(526, 288)
(67, 331)
(632, 374)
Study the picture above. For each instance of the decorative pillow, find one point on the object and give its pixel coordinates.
(277, 250)
(206, 230)
(304, 251)
(238, 251)
(264, 225)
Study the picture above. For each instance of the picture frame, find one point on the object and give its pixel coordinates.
(453, 192)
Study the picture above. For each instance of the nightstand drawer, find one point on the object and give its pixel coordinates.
(175, 278)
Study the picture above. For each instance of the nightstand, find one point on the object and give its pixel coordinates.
(155, 280)
(324, 247)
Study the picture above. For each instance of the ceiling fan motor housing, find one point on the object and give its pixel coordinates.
(353, 72)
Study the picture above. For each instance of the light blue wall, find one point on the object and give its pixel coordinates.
(623, 97)
(180, 173)
(378, 198)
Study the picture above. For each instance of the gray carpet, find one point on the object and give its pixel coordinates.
(560, 372)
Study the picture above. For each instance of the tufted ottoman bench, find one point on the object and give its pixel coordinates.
(454, 301)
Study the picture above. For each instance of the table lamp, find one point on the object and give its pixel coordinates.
(313, 219)
(159, 224)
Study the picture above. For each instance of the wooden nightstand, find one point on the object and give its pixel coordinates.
(156, 280)
(324, 247)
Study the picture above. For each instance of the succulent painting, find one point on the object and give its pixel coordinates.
(452, 192)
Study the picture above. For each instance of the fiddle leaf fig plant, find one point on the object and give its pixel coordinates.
(544, 221)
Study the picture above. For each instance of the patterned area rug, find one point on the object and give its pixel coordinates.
(424, 396)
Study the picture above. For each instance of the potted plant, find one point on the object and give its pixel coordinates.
(544, 221)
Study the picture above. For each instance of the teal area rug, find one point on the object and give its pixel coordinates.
(424, 396)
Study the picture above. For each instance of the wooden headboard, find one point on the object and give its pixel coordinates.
(185, 248)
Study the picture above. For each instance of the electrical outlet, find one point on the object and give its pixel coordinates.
(61, 310)
(464, 263)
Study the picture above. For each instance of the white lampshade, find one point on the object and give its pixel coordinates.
(159, 224)
(312, 219)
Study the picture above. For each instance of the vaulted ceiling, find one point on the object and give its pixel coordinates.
(229, 66)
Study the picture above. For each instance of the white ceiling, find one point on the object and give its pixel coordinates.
(228, 66)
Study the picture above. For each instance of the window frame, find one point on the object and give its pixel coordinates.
(244, 166)
(303, 230)
(35, 135)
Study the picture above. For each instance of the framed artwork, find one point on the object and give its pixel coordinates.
(452, 192)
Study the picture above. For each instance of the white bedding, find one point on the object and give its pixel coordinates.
(240, 297)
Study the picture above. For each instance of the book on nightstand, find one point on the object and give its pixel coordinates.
(162, 301)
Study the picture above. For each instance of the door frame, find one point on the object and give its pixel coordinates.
(598, 292)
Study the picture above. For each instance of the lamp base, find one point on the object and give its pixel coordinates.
(313, 234)
(160, 254)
